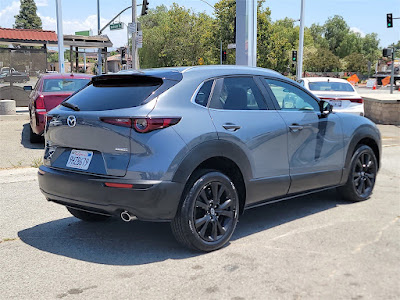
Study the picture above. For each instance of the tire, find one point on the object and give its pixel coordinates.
(33, 137)
(87, 216)
(209, 211)
(362, 175)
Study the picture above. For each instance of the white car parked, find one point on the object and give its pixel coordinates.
(339, 92)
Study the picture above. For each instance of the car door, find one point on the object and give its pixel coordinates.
(315, 141)
(241, 116)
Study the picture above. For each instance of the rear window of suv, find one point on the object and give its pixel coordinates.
(115, 92)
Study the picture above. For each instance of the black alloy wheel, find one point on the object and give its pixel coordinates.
(214, 211)
(364, 174)
(363, 171)
(209, 212)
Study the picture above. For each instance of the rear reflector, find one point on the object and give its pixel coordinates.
(143, 125)
(354, 100)
(119, 185)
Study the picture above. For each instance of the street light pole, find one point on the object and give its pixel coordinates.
(299, 70)
(99, 59)
(60, 37)
(134, 65)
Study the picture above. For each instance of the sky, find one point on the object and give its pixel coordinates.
(363, 16)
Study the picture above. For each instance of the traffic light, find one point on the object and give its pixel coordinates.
(123, 58)
(294, 56)
(223, 56)
(387, 52)
(389, 20)
(145, 7)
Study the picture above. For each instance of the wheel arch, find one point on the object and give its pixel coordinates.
(221, 156)
(366, 135)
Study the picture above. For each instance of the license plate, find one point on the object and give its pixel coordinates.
(336, 103)
(79, 159)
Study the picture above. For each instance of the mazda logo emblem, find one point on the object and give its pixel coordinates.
(71, 121)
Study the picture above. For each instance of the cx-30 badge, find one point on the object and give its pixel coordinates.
(71, 121)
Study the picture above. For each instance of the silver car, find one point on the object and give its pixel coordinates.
(197, 146)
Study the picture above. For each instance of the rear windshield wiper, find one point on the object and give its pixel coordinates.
(70, 105)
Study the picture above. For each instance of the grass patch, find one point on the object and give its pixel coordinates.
(37, 162)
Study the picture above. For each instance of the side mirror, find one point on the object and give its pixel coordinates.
(325, 107)
(28, 88)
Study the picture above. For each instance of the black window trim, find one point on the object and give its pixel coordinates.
(296, 85)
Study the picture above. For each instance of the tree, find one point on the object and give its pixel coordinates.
(356, 62)
(322, 60)
(27, 17)
(177, 37)
(336, 29)
(351, 43)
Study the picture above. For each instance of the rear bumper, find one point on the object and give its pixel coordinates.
(357, 111)
(153, 201)
(39, 123)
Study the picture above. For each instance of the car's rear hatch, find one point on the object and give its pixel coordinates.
(52, 99)
(77, 137)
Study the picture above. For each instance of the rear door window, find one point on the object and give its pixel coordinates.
(115, 93)
(239, 93)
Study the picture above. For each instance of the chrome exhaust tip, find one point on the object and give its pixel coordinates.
(126, 216)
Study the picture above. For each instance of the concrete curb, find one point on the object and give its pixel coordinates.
(14, 117)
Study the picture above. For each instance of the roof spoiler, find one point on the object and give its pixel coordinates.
(126, 80)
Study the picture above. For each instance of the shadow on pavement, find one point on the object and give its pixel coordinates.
(25, 139)
(117, 243)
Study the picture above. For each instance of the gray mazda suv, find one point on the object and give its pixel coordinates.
(197, 146)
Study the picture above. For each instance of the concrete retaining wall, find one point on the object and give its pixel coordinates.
(17, 93)
(382, 111)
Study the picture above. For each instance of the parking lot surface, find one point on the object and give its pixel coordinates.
(314, 247)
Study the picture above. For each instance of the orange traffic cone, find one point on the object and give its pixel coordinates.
(374, 87)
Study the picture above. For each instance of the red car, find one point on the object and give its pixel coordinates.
(50, 90)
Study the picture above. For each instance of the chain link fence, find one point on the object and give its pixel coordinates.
(20, 67)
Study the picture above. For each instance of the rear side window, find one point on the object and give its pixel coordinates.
(239, 93)
(115, 93)
(204, 93)
(63, 85)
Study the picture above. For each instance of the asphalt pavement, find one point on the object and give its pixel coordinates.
(314, 247)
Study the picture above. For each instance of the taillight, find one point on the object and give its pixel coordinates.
(357, 100)
(125, 122)
(143, 125)
(39, 104)
(147, 124)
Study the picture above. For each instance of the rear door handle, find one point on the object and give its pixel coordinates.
(231, 127)
(295, 127)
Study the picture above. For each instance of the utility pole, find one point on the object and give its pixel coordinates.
(60, 37)
(299, 70)
(392, 73)
(134, 64)
(99, 59)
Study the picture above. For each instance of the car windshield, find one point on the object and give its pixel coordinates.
(330, 86)
(64, 85)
